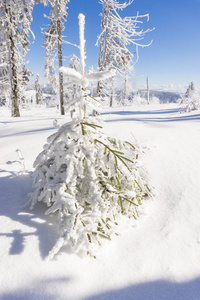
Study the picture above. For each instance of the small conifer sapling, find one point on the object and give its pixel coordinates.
(86, 177)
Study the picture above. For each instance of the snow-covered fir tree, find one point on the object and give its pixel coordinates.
(191, 100)
(89, 179)
(50, 45)
(74, 63)
(53, 45)
(116, 35)
(26, 73)
(38, 88)
(15, 27)
(72, 90)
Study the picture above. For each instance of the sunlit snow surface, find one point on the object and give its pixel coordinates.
(155, 257)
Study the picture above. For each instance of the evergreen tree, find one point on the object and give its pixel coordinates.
(39, 93)
(191, 100)
(88, 178)
(73, 90)
(74, 63)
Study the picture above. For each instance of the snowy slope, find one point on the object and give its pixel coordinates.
(155, 257)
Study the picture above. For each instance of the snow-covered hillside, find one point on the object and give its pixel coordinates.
(155, 257)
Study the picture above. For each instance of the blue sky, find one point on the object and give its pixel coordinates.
(172, 58)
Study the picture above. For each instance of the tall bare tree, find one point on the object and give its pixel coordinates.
(53, 45)
(116, 35)
(15, 22)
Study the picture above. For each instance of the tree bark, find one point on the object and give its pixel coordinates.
(103, 44)
(62, 110)
(99, 84)
(112, 92)
(108, 19)
(82, 53)
(14, 80)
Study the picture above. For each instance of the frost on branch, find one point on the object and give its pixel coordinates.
(118, 36)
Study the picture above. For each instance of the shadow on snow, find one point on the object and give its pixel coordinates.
(28, 119)
(42, 289)
(13, 198)
(156, 290)
(14, 122)
(20, 133)
(166, 115)
(146, 112)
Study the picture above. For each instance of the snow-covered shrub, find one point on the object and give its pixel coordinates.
(88, 178)
(191, 100)
(139, 100)
(154, 100)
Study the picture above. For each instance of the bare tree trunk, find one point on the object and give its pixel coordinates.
(108, 19)
(82, 53)
(14, 80)
(103, 44)
(125, 88)
(112, 92)
(99, 84)
(62, 110)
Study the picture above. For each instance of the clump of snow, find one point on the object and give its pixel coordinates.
(82, 41)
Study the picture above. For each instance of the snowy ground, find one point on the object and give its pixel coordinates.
(158, 257)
